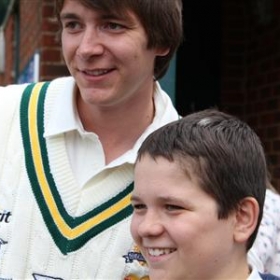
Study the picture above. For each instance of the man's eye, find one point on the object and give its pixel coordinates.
(113, 26)
(73, 25)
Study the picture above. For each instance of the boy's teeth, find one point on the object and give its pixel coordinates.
(160, 252)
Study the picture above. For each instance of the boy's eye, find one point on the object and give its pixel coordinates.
(171, 207)
(138, 206)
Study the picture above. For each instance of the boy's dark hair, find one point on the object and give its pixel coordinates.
(161, 19)
(224, 154)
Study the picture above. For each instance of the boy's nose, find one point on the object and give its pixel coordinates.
(150, 226)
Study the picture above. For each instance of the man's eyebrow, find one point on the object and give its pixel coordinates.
(115, 16)
(64, 16)
(108, 16)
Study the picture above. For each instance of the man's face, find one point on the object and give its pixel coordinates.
(107, 56)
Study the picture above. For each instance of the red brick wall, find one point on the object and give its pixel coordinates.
(52, 64)
(38, 32)
(8, 76)
(30, 30)
(251, 72)
(233, 66)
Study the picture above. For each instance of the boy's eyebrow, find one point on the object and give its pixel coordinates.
(163, 199)
(134, 198)
(169, 198)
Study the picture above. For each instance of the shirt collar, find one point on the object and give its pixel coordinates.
(254, 275)
(64, 116)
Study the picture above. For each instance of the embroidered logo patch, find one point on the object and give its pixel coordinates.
(135, 254)
(137, 266)
(131, 256)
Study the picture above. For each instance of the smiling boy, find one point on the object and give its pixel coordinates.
(200, 186)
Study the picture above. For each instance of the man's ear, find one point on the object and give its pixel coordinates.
(246, 219)
(162, 51)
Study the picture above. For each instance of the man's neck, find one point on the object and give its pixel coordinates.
(118, 128)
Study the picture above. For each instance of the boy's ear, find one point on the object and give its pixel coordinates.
(246, 219)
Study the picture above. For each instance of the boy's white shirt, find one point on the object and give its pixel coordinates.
(254, 275)
(265, 253)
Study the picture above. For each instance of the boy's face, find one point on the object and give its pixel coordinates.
(107, 56)
(175, 223)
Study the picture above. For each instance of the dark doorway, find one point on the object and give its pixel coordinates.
(198, 58)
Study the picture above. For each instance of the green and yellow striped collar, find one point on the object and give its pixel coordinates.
(69, 233)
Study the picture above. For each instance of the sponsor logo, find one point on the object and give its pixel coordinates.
(5, 216)
(37, 276)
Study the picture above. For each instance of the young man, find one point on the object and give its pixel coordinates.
(67, 147)
(200, 185)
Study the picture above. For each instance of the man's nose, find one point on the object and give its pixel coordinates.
(91, 44)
